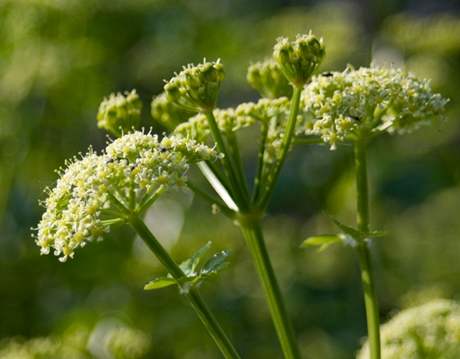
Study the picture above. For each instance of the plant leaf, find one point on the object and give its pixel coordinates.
(354, 233)
(190, 265)
(377, 234)
(322, 241)
(160, 282)
(216, 263)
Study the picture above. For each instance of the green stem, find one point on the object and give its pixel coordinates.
(253, 235)
(212, 200)
(238, 163)
(260, 160)
(193, 296)
(367, 276)
(237, 190)
(287, 139)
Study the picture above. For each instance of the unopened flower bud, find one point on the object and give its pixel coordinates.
(196, 87)
(119, 112)
(298, 59)
(167, 113)
(268, 79)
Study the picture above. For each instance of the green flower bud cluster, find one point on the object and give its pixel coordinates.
(167, 113)
(93, 191)
(272, 113)
(353, 103)
(197, 127)
(298, 59)
(268, 79)
(196, 87)
(430, 331)
(119, 112)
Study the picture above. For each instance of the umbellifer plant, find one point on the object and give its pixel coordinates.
(355, 106)
(117, 186)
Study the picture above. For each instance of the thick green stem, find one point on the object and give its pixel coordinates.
(367, 276)
(193, 296)
(253, 235)
(287, 140)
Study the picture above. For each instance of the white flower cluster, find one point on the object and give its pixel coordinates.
(116, 342)
(97, 190)
(369, 100)
(430, 331)
(34, 348)
(127, 343)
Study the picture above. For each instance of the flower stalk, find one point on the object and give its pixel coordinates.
(367, 275)
(287, 140)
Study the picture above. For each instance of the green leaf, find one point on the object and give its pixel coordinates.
(217, 262)
(322, 241)
(377, 234)
(190, 265)
(354, 233)
(160, 282)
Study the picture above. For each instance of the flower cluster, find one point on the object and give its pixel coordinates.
(197, 127)
(80, 342)
(167, 113)
(272, 114)
(298, 59)
(120, 112)
(268, 79)
(196, 87)
(348, 104)
(429, 331)
(126, 343)
(96, 191)
(36, 348)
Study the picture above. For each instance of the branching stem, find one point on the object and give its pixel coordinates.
(207, 318)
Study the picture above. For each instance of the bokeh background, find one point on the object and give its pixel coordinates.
(59, 58)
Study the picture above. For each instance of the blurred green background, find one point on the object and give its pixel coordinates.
(59, 58)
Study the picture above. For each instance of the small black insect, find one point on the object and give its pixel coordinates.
(356, 118)
(327, 74)
(162, 149)
(112, 160)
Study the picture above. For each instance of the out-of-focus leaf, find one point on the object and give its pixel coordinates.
(322, 241)
(161, 282)
(352, 232)
(377, 234)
